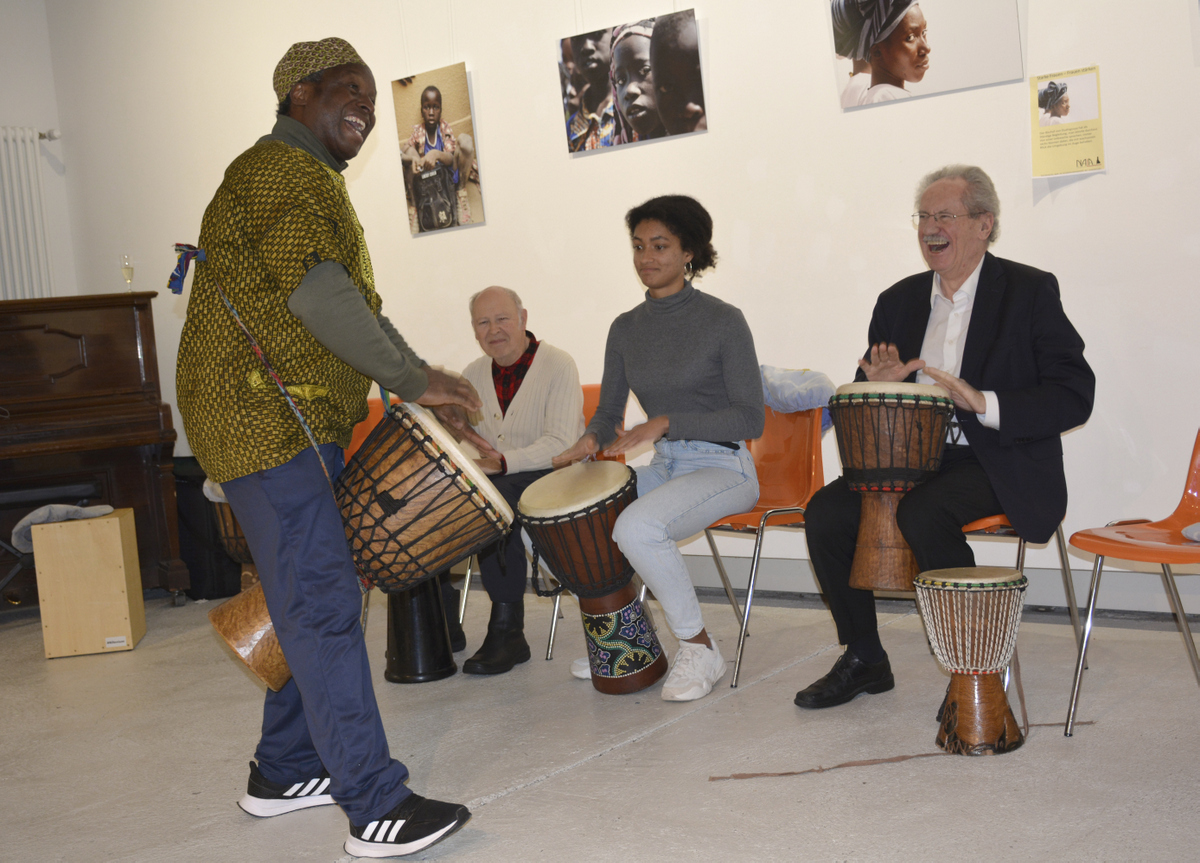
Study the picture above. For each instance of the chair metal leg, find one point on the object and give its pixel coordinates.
(1068, 583)
(1189, 642)
(462, 600)
(12, 573)
(758, 541)
(553, 627)
(712, 544)
(1093, 591)
(1020, 555)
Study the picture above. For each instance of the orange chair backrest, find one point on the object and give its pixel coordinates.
(1188, 511)
(788, 458)
(591, 401)
(364, 428)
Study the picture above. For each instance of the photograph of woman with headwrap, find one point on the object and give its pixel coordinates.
(885, 47)
(890, 36)
(1055, 104)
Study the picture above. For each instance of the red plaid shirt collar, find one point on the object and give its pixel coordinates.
(507, 379)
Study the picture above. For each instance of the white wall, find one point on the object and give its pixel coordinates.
(27, 99)
(811, 206)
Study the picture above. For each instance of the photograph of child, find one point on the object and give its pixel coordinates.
(633, 82)
(441, 172)
(890, 50)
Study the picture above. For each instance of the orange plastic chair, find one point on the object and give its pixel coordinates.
(364, 428)
(788, 460)
(1160, 542)
(591, 401)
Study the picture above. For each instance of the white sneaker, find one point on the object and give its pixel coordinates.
(695, 670)
(581, 669)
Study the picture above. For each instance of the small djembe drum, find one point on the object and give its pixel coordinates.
(971, 615)
(569, 516)
(890, 437)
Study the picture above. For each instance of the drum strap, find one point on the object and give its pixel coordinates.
(1016, 677)
(533, 577)
(363, 584)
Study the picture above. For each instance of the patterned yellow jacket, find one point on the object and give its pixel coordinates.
(278, 213)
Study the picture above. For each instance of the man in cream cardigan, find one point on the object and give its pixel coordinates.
(532, 410)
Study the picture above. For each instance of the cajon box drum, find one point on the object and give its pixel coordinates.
(89, 584)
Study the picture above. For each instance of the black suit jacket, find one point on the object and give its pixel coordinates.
(1020, 345)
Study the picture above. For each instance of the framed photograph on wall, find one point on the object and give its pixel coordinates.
(633, 82)
(890, 50)
(436, 133)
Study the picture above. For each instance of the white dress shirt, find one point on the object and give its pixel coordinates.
(946, 336)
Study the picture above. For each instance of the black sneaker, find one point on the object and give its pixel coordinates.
(265, 798)
(414, 824)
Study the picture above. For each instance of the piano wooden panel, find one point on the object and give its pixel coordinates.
(81, 402)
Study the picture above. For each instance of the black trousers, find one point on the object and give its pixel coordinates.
(930, 517)
(506, 583)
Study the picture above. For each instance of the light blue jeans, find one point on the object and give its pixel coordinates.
(686, 487)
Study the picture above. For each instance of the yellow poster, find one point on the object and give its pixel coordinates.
(1065, 113)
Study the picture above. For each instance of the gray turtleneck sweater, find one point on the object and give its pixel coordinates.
(689, 356)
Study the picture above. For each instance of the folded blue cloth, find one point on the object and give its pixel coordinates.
(790, 390)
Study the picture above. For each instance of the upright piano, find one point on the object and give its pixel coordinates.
(82, 421)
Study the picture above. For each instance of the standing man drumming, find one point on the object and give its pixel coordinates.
(283, 244)
(532, 411)
(994, 333)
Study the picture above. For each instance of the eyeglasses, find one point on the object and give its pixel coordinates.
(941, 219)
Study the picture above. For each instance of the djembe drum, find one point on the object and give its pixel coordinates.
(413, 505)
(971, 615)
(569, 516)
(890, 437)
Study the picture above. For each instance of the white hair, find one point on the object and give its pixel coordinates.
(509, 292)
(980, 196)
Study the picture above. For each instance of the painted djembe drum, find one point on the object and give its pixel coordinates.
(890, 437)
(972, 615)
(413, 504)
(569, 516)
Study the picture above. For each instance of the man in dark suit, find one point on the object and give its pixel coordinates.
(993, 333)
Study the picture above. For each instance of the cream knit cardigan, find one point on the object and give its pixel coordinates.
(545, 417)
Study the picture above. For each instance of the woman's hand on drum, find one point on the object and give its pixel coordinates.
(586, 446)
(965, 396)
(885, 364)
(645, 433)
(448, 389)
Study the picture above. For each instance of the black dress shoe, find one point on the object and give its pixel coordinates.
(505, 644)
(849, 677)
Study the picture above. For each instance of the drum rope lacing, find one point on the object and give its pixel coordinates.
(972, 628)
(431, 498)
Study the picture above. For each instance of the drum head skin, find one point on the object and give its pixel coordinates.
(885, 388)
(464, 462)
(971, 576)
(573, 488)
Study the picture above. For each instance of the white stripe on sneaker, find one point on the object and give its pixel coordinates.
(309, 787)
(293, 789)
(395, 830)
(370, 829)
(323, 786)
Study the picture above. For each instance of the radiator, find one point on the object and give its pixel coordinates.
(24, 252)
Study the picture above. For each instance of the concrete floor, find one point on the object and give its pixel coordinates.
(140, 756)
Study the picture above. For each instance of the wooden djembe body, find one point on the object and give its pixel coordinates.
(890, 437)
